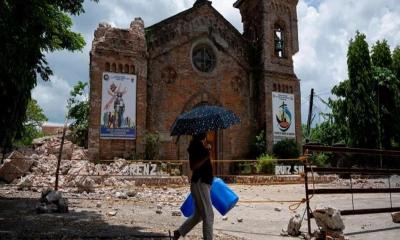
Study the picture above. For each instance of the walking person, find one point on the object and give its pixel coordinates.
(200, 164)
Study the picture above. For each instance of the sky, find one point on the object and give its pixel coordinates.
(325, 29)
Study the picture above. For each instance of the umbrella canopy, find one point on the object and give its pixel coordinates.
(202, 119)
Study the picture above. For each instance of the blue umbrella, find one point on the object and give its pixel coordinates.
(202, 119)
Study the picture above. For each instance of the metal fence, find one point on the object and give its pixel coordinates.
(349, 172)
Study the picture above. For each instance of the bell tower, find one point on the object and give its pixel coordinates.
(270, 28)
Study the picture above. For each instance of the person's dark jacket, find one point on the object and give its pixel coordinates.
(198, 152)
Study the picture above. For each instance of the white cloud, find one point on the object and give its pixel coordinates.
(52, 98)
(325, 28)
(325, 31)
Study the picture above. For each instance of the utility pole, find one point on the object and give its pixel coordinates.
(310, 114)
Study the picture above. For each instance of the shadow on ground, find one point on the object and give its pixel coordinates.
(19, 220)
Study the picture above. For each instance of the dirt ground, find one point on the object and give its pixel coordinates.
(91, 217)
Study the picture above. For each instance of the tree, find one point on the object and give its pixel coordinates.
(360, 103)
(31, 127)
(366, 110)
(396, 72)
(327, 133)
(396, 62)
(381, 56)
(30, 29)
(78, 110)
(386, 88)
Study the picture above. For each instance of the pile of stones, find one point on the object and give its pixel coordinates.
(52, 202)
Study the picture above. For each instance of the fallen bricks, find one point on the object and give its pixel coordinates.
(15, 166)
(52, 202)
(330, 222)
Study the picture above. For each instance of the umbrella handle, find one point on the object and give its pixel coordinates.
(177, 139)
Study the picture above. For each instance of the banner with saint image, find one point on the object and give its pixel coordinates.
(118, 106)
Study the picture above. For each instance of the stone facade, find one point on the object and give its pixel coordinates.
(170, 82)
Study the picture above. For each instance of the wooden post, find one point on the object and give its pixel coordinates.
(59, 156)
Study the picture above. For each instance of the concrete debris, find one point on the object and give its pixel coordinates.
(53, 197)
(225, 218)
(240, 219)
(52, 202)
(277, 209)
(121, 195)
(176, 213)
(293, 228)
(54, 148)
(36, 171)
(15, 166)
(131, 193)
(159, 211)
(111, 181)
(112, 213)
(329, 218)
(396, 217)
(98, 204)
(26, 183)
(79, 154)
(84, 184)
(393, 181)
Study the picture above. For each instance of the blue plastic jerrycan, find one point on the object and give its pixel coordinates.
(222, 198)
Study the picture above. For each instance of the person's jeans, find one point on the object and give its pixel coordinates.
(203, 211)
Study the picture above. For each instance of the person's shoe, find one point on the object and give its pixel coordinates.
(177, 235)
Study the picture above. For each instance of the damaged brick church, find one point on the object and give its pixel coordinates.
(193, 58)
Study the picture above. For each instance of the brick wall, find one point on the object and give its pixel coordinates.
(175, 85)
(123, 51)
(169, 84)
(260, 20)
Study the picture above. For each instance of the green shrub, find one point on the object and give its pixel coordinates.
(245, 168)
(319, 159)
(286, 149)
(152, 146)
(266, 164)
(260, 143)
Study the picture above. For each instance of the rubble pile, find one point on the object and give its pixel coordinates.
(36, 171)
(15, 166)
(52, 202)
(293, 228)
(358, 182)
(329, 222)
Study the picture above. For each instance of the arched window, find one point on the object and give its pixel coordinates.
(107, 67)
(126, 68)
(274, 88)
(279, 41)
(120, 68)
(113, 67)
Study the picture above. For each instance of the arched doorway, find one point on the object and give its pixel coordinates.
(213, 138)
